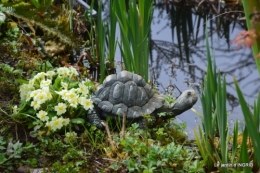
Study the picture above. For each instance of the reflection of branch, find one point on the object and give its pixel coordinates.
(169, 59)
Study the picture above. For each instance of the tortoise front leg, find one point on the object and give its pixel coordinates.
(146, 122)
(94, 119)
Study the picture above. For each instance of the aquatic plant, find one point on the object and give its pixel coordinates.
(214, 138)
(252, 120)
(251, 9)
(101, 43)
(135, 25)
(214, 120)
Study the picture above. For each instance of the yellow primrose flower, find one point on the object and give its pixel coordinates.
(34, 93)
(48, 95)
(45, 83)
(64, 85)
(56, 123)
(65, 121)
(62, 93)
(24, 90)
(47, 92)
(63, 71)
(83, 89)
(86, 103)
(35, 104)
(50, 74)
(42, 115)
(40, 75)
(31, 82)
(48, 124)
(41, 97)
(60, 108)
(73, 71)
(70, 95)
(74, 103)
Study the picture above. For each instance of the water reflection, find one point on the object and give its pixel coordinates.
(178, 52)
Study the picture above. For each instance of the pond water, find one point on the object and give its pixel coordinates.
(173, 63)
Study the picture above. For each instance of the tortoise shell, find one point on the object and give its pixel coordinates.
(128, 93)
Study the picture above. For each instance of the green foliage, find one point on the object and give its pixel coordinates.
(9, 79)
(11, 36)
(8, 73)
(94, 136)
(140, 153)
(65, 158)
(169, 99)
(52, 22)
(11, 154)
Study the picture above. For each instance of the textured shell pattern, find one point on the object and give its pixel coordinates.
(128, 93)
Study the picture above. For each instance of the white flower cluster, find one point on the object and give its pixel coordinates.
(42, 90)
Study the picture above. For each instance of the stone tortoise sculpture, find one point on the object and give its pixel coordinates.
(128, 93)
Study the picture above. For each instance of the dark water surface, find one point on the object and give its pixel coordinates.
(171, 65)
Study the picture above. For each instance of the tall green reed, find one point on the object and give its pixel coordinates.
(101, 43)
(111, 29)
(108, 40)
(213, 138)
(135, 20)
(249, 9)
(251, 128)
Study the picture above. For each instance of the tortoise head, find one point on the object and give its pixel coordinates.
(184, 102)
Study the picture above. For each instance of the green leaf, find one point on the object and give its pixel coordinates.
(250, 123)
(35, 3)
(57, 83)
(2, 158)
(77, 121)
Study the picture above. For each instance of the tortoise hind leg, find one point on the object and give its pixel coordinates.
(94, 119)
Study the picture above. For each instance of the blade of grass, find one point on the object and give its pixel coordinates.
(250, 123)
(101, 42)
(221, 113)
(234, 145)
(112, 33)
(257, 112)
(244, 157)
(35, 3)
